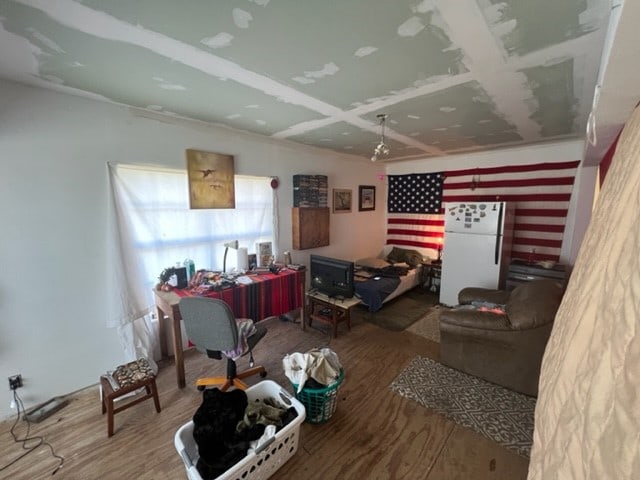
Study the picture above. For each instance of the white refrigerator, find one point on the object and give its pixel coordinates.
(476, 247)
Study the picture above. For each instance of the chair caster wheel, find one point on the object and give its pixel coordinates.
(263, 374)
(200, 388)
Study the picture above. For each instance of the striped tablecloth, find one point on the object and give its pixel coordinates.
(269, 295)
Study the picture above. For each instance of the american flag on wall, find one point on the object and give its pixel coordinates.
(541, 193)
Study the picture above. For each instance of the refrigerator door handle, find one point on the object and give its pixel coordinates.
(498, 232)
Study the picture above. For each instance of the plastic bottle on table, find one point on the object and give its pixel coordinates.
(190, 267)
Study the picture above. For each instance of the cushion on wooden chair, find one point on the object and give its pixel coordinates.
(124, 380)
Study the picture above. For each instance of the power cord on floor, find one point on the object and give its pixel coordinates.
(40, 441)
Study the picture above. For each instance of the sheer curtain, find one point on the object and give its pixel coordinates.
(151, 228)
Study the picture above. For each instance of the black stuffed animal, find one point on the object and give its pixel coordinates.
(214, 431)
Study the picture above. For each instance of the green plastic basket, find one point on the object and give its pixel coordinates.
(320, 403)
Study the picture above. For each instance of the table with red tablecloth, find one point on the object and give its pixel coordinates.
(267, 295)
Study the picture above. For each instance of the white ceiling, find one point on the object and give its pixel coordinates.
(453, 76)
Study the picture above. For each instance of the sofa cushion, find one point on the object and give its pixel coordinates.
(457, 320)
(468, 295)
(534, 304)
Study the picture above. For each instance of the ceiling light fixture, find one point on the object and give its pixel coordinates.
(382, 150)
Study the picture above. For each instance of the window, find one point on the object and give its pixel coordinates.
(155, 205)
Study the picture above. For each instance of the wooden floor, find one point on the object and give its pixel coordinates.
(374, 434)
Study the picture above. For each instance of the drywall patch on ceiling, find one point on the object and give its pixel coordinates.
(474, 115)
(550, 22)
(241, 18)
(100, 25)
(347, 88)
(262, 3)
(364, 51)
(403, 67)
(359, 141)
(328, 69)
(219, 40)
(411, 27)
(303, 80)
(508, 90)
(311, 76)
(354, 115)
(162, 83)
(553, 90)
(493, 12)
(505, 28)
(47, 42)
(205, 102)
(423, 7)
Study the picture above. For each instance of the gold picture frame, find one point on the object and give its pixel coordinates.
(342, 199)
(211, 180)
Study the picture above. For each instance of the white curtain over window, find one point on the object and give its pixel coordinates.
(152, 228)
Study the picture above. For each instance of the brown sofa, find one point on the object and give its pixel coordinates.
(505, 349)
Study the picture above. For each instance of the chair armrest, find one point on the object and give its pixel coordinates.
(469, 294)
(453, 319)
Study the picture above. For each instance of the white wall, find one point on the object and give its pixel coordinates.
(54, 149)
(579, 213)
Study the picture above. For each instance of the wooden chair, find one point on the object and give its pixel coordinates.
(124, 380)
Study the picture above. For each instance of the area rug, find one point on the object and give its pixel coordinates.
(429, 325)
(499, 414)
(399, 313)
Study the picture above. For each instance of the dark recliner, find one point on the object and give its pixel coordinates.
(503, 349)
(211, 326)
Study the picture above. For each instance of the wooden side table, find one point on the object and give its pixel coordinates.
(329, 310)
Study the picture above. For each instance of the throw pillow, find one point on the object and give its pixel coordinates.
(399, 255)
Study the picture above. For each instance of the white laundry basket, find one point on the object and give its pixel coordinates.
(255, 466)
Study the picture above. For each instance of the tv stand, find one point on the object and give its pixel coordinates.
(329, 310)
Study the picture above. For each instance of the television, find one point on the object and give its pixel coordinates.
(332, 276)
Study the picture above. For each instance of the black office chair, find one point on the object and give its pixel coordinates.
(211, 327)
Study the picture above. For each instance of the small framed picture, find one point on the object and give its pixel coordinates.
(341, 200)
(366, 198)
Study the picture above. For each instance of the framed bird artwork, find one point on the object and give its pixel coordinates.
(211, 180)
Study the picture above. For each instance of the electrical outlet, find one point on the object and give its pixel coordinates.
(15, 382)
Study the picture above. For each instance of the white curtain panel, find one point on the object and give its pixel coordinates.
(151, 228)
